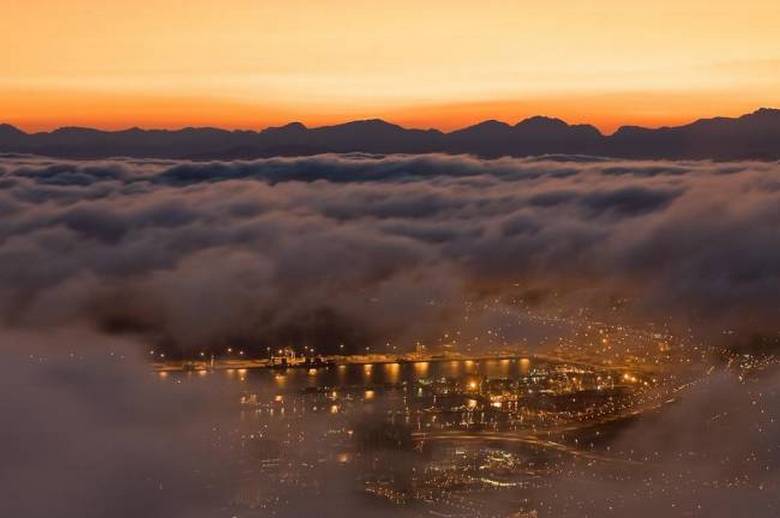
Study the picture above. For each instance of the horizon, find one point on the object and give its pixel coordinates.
(259, 129)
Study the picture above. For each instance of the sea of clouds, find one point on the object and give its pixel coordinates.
(361, 249)
(358, 248)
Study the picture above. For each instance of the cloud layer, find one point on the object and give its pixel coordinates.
(362, 249)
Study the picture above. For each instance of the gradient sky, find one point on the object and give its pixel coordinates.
(440, 63)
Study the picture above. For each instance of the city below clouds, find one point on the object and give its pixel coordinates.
(99, 260)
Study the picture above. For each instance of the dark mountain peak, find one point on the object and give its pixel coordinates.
(205, 130)
(761, 120)
(296, 126)
(366, 124)
(492, 123)
(292, 127)
(763, 113)
(767, 110)
(491, 126)
(77, 130)
(7, 130)
(540, 122)
(630, 131)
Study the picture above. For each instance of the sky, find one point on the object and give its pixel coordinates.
(440, 63)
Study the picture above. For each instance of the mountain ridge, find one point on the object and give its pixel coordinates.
(755, 135)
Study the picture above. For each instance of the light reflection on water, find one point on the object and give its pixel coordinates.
(374, 375)
(328, 416)
(393, 372)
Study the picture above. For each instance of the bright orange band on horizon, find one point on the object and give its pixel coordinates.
(443, 64)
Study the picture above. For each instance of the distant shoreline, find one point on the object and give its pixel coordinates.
(361, 360)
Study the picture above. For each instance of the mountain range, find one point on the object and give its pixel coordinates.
(751, 136)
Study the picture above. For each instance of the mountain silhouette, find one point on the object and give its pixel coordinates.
(752, 136)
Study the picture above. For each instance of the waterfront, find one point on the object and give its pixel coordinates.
(443, 436)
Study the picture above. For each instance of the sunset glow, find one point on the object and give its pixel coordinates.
(445, 64)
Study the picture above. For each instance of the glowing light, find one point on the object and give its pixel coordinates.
(393, 371)
(525, 365)
(421, 368)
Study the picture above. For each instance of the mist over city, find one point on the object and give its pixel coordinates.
(482, 278)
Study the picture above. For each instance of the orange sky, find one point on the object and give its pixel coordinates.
(437, 63)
